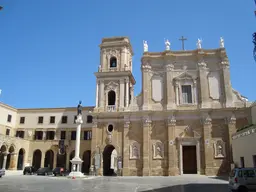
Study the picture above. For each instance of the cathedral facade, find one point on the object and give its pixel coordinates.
(181, 123)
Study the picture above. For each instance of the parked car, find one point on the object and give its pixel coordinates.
(2, 172)
(60, 171)
(29, 170)
(242, 179)
(44, 171)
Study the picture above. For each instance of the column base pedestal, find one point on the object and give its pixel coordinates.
(76, 174)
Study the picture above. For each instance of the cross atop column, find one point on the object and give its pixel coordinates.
(183, 39)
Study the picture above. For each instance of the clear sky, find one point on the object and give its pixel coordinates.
(49, 49)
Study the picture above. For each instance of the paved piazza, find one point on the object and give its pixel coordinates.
(187, 183)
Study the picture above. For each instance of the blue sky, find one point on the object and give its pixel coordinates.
(49, 49)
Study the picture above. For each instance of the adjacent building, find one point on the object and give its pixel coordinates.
(181, 122)
(243, 143)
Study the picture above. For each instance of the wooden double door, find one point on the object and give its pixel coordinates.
(189, 160)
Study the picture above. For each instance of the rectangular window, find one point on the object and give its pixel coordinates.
(22, 120)
(89, 119)
(242, 162)
(63, 135)
(20, 134)
(52, 119)
(87, 135)
(186, 94)
(73, 135)
(75, 118)
(9, 118)
(38, 135)
(50, 135)
(40, 120)
(64, 119)
(7, 132)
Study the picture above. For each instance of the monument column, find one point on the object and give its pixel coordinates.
(146, 146)
(126, 148)
(5, 160)
(170, 93)
(172, 151)
(204, 93)
(208, 145)
(76, 161)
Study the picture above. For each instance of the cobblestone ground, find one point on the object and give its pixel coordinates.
(187, 183)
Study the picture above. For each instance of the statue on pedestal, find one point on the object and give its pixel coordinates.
(199, 43)
(145, 45)
(221, 42)
(167, 45)
(79, 108)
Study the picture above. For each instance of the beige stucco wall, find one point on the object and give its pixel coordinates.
(244, 147)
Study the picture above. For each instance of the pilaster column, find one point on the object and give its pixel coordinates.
(231, 124)
(42, 159)
(227, 84)
(172, 151)
(126, 149)
(177, 93)
(204, 90)
(13, 161)
(121, 89)
(55, 152)
(146, 146)
(102, 99)
(208, 145)
(127, 93)
(170, 93)
(146, 68)
(97, 93)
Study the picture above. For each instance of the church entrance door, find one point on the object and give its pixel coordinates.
(189, 160)
(107, 160)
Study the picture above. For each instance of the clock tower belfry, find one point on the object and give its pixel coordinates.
(115, 82)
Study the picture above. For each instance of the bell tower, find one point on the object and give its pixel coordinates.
(115, 82)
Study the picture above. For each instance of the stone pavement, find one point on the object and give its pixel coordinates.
(189, 183)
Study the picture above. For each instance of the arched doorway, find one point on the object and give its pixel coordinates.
(49, 157)
(37, 157)
(71, 156)
(86, 162)
(111, 97)
(3, 151)
(107, 161)
(61, 160)
(9, 162)
(20, 159)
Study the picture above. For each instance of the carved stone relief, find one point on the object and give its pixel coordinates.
(111, 86)
(158, 150)
(219, 149)
(135, 150)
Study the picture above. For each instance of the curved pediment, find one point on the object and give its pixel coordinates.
(239, 96)
(185, 75)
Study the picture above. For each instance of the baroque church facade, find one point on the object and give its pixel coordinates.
(181, 123)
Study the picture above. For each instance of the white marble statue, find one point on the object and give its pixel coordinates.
(221, 42)
(135, 152)
(145, 45)
(199, 43)
(167, 45)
